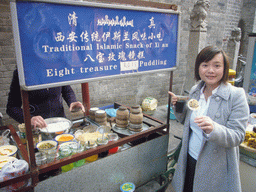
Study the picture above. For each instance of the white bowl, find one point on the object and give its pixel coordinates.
(8, 150)
(41, 146)
(57, 138)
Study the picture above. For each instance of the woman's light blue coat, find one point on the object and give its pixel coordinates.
(217, 167)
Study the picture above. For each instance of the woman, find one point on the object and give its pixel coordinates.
(209, 158)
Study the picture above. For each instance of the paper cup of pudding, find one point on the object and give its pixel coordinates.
(193, 105)
(8, 150)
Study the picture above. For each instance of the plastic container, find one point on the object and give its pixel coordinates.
(112, 137)
(181, 102)
(127, 187)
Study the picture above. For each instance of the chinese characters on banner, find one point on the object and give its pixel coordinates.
(62, 43)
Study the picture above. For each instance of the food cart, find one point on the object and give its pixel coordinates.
(61, 43)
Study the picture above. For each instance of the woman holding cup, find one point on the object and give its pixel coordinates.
(209, 158)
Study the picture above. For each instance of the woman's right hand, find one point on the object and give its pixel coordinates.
(38, 121)
(174, 97)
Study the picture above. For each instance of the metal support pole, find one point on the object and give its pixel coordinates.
(86, 97)
(169, 103)
(27, 120)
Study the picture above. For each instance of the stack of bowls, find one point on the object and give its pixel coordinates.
(92, 113)
(122, 117)
(101, 117)
(136, 119)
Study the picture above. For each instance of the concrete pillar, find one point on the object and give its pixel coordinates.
(197, 39)
(233, 47)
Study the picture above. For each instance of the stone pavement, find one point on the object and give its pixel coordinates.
(176, 129)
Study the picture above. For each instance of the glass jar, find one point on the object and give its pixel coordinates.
(77, 148)
(91, 145)
(113, 137)
(102, 141)
(40, 158)
(65, 151)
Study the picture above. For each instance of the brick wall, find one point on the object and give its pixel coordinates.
(7, 55)
(223, 15)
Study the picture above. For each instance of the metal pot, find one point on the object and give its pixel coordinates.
(56, 126)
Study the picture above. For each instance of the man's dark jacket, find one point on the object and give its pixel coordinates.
(44, 102)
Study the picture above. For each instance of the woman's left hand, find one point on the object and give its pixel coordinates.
(76, 105)
(205, 123)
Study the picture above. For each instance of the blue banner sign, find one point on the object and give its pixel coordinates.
(66, 43)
